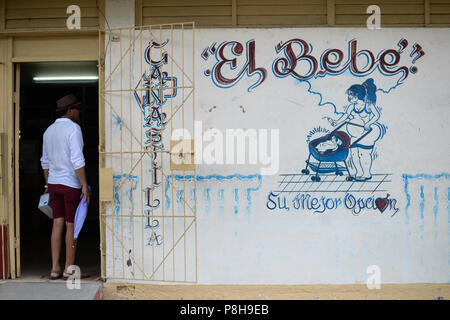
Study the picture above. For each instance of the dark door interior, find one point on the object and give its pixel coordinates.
(37, 111)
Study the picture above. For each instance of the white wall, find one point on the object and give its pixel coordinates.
(238, 238)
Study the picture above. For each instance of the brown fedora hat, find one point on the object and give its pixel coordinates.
(67, 102)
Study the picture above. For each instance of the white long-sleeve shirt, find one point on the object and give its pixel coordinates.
(62, 152)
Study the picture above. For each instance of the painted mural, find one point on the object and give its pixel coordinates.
(350, 88)
(339, 157)
(356, 113)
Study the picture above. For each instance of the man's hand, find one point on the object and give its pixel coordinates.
(46, 180)
(86, 193)
(81, 174)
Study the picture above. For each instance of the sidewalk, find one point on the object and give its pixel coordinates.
(49, 290)
(420, 291)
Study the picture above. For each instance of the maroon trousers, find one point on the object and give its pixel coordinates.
(64, 201)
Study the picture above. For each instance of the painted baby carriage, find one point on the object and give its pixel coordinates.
(328, 160)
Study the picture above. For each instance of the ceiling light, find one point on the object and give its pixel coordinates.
(67, 78)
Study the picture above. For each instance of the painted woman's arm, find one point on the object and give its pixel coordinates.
(374, 118)
(344, 117)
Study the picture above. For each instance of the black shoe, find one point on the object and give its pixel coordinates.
(55, 277)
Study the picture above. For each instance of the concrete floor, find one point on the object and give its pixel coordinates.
(34, 283)
(49, 290)
(36, 252)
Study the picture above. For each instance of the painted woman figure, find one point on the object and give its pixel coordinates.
(362, 111)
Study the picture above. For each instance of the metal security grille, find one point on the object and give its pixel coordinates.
(149, 229)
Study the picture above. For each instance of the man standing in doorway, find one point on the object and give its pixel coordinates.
(65, 176)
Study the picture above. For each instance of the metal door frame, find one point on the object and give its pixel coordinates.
(105, 103)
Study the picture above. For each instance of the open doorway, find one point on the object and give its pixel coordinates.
(41, 85)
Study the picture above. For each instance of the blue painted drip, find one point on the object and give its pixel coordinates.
(422, 202)
(407, 177)
(408, 197)
(117, 204)
(135, 181)
(208, 200)
(421, 206)
(166, 194)
(193, 200)
(116, 201)
(219, 178)
(448, 206)
(180, 206)
(249, 198)
(435, 213)
(436, 207)
(220, 198)
(428, 177)
(236, 199)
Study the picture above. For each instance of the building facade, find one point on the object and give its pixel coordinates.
(213, 127)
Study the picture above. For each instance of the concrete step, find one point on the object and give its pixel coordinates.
(50, 290)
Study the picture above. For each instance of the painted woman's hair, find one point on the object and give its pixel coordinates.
(365, 92)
